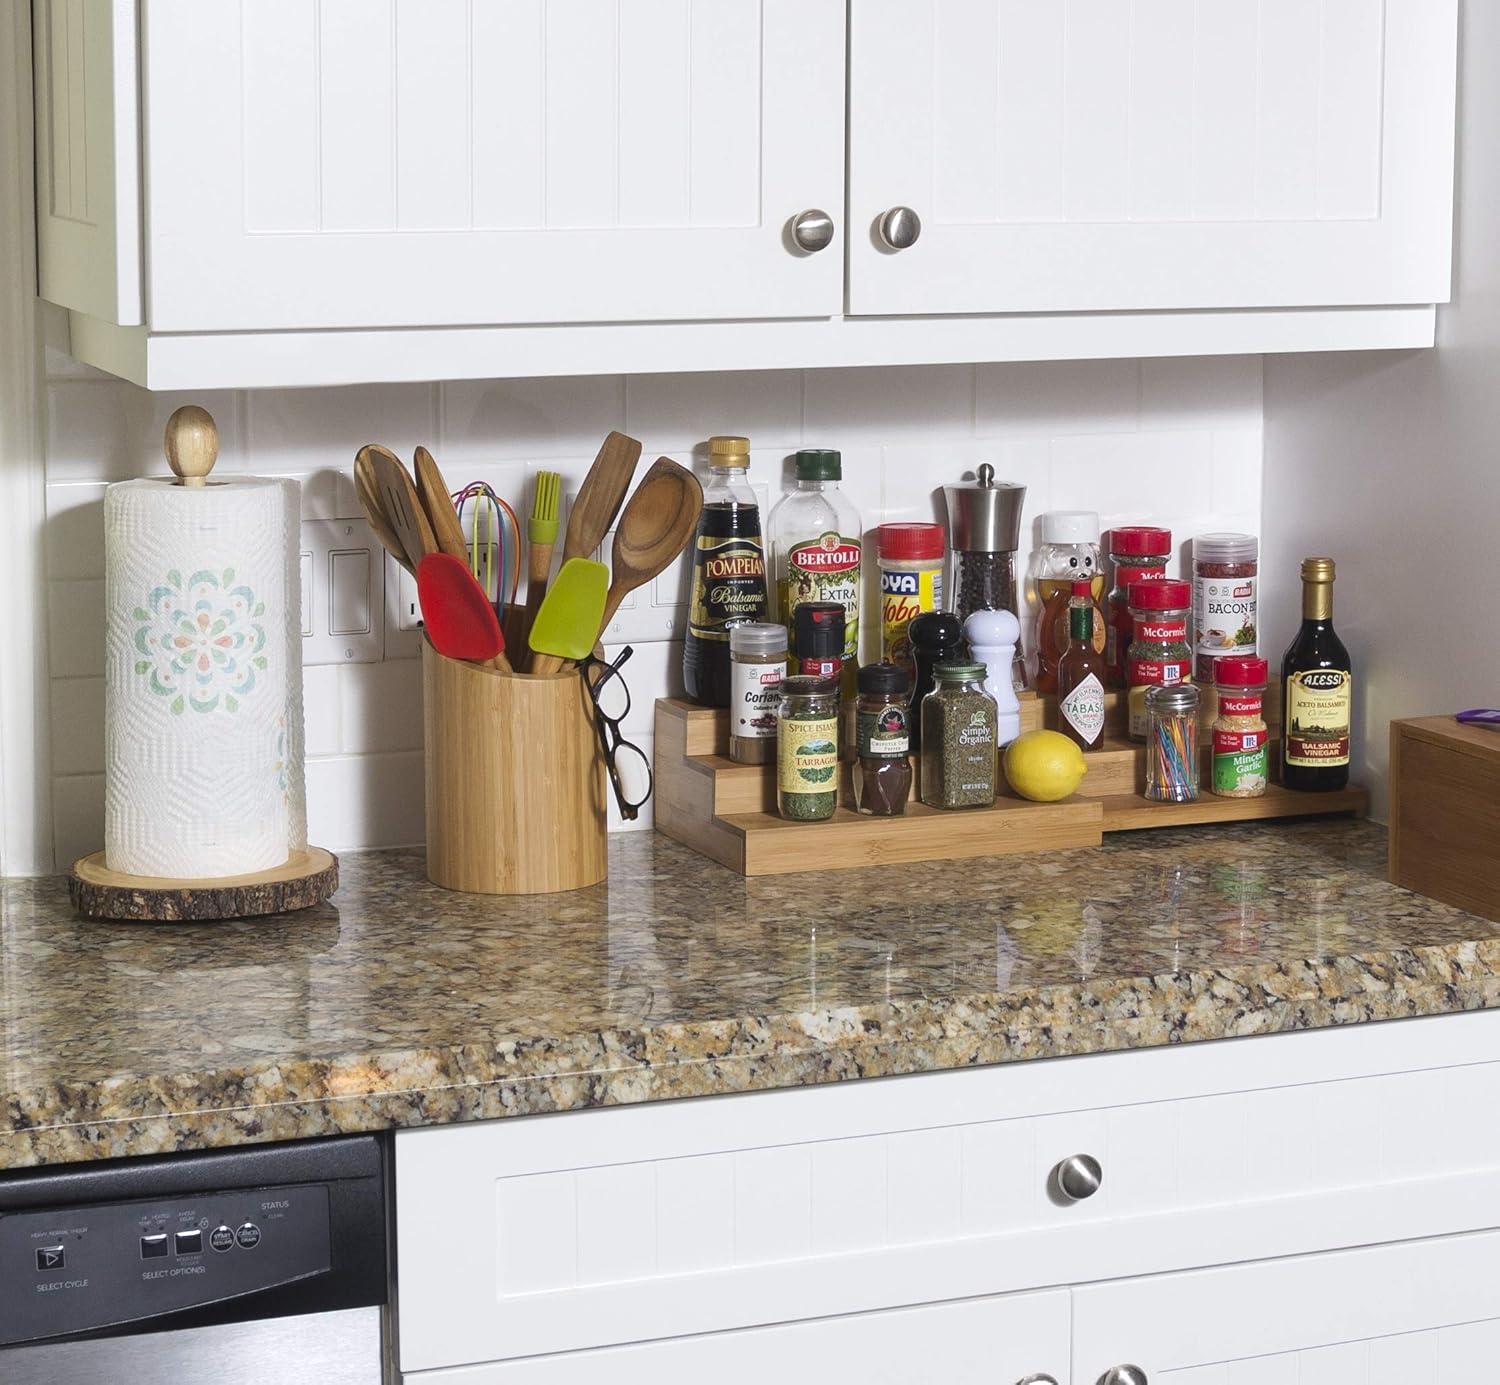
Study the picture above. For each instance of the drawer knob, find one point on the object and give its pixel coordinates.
(899, 228)
(1042, 1379)
(1123, 1375)
(1077, 1177)
(812, 231)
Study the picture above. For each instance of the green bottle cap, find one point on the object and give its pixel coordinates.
(819, 464)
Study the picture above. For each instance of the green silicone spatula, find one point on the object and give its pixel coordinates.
(570, 615)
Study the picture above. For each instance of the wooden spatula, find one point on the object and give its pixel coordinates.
(600, 496)
(398, 497)
(569, 619)
(367, 491)
(436, 500)
(460, 621)
(654, 528)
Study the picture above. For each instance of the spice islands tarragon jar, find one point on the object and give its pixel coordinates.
(807, 749)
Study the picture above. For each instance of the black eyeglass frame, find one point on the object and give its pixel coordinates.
(607, 729)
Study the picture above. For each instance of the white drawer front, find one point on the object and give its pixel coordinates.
(981, 1342)
(585, 1230)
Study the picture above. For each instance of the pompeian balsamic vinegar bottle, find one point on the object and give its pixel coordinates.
(1317, 684)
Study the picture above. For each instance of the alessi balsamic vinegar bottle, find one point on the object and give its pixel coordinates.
(1317, 692)
(729, 573)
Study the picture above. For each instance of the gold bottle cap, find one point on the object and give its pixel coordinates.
(1317, 570)
(726, 451)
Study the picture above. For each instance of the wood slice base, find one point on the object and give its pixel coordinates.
(307, 878)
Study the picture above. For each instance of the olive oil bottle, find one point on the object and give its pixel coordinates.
(1317, 683)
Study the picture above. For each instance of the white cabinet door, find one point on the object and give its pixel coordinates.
(1086, 155)
(1421, 1313)
(979, 1342)
(371, 163)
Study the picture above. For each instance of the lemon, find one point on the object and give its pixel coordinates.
(1044, 766)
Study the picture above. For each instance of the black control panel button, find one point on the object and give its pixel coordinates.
(190, 1243)
(248, 1235)
(221, 1238)
(51, 1258)
(153, 1247)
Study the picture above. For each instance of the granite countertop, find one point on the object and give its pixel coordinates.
(398, 1004)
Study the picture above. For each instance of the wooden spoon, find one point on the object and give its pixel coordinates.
(367, 490)
(460, 620)
(398, 497)
(600, 496)
(654, 529)
(437, 500)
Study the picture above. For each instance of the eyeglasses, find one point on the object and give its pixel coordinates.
(629, 769)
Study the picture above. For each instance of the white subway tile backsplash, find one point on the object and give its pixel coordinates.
(887, 404)
(673, 413)
(522, 420)
(1176, 442)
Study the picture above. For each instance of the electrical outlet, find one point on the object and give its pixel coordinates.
(403, 629)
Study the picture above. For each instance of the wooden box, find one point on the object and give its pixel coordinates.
(1445, 812)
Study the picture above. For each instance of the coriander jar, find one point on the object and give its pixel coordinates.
(959, 739)
(807, 749)
(757, 667)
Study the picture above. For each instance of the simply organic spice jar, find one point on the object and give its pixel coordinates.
(959, 739)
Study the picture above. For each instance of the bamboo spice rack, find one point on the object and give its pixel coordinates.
(727, 811)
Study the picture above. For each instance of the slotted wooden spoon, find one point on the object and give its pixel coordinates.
(398, 497)
(367, 491)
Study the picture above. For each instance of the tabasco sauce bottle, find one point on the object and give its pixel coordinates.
(1080, 674)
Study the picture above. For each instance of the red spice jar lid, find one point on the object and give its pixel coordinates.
(1164, 594)
(1241, 671)
(1141, 541)
(910, 541)
(1084, 588)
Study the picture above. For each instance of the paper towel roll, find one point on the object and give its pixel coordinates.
(203, 710)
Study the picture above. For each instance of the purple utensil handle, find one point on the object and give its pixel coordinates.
(1481, 716)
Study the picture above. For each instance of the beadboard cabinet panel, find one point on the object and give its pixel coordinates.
(1421, 1313)
(397, 163)
(1086, 155)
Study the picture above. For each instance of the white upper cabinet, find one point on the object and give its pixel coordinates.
(1097, 155)
(379, 163)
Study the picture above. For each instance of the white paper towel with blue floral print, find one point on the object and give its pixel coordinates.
(203, 696)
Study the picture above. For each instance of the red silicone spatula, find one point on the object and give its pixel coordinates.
(458, 615)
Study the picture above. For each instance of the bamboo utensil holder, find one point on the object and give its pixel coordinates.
(515, 781)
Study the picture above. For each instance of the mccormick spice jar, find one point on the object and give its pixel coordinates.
(757, 666)
(1241, 764)
(818, 636)
(958, 739)
(1137, 553)
(1226, 572)
(807, 749)
(1160, 655)
(911, 582)
(882, 773)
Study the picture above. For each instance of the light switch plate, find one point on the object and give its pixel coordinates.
(343, 593)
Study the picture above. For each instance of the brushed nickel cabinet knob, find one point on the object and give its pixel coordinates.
(812, 231)
(1124, 1375)
(900, 227)
(1042, 1379)
(1077, 1177)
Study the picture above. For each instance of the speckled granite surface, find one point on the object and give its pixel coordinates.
(398, 1004)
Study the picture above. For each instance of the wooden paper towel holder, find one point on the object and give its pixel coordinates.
(307, 877)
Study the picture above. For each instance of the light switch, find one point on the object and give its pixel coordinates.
(343, 593)
(349, 592)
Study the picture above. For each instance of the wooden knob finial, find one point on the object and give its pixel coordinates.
(192, 444)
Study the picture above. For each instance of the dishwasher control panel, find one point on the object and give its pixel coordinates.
(106, 1264)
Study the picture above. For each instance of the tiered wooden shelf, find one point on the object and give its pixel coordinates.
(727, 811)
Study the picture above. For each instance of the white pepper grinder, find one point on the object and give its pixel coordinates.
(992, 637)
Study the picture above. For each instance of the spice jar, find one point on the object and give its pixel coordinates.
(757, 666)
(958, 740)
(1160, 653)
(1137, 553)
(1241, 764)
(911, 582)
(984, 532)
(882, 773)
(936, 638)
(807, 749)
(1226, 570)
(1172, 744)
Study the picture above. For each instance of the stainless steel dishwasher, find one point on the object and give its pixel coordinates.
(263, 1264)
